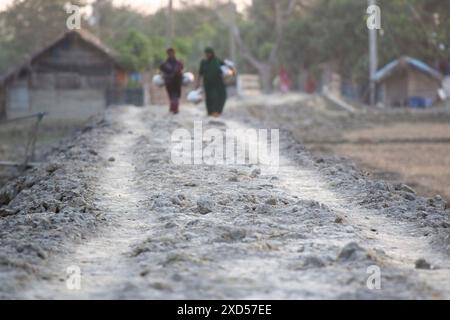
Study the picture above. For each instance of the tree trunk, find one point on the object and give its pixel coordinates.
(265, 74)
(264, 68)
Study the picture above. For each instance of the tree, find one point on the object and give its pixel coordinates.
(28, 25)
(135, 51)
(335, 32)
(195, 27)
(260, 38)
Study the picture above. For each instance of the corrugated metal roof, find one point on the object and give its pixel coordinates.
(402, 62)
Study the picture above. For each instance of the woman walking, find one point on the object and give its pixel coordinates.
(213, 83)
(172, 71)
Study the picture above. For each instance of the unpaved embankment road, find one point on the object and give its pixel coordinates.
(137, 226)
(395, 144)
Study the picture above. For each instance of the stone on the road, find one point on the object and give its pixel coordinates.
(205, 205)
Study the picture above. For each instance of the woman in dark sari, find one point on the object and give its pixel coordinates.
(213, 83)
(172, 71)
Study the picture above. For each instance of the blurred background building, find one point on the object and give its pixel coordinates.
(72, 77)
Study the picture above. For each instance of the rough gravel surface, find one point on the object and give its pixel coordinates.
(113, 204)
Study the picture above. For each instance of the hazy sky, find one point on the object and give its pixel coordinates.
(145, 5)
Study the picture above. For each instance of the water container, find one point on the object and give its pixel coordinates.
(188, 78)
(195, 96)
(227, 72)
(158, 80)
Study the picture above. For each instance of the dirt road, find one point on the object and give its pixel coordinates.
(400, 145)
(137, 226)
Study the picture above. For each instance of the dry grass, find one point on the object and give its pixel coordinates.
(406, 131)
(398, 145)
(426, 167)
(420, 161)
(15, 136)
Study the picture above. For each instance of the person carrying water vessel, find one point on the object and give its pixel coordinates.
(213, 83)
(172, 71)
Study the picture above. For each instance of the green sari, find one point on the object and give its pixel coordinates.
(215, 89)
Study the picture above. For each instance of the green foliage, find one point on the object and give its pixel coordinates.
(135, 51)
(335, 32)
(322, 31)
(28, 25)
(195, 26)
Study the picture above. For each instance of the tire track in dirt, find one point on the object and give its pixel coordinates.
(104, 270)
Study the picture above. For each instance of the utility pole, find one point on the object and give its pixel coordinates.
(233, 49)
(95, 19)
(373, 53)
(171, 27)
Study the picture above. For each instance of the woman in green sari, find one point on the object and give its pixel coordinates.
(213, 83)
